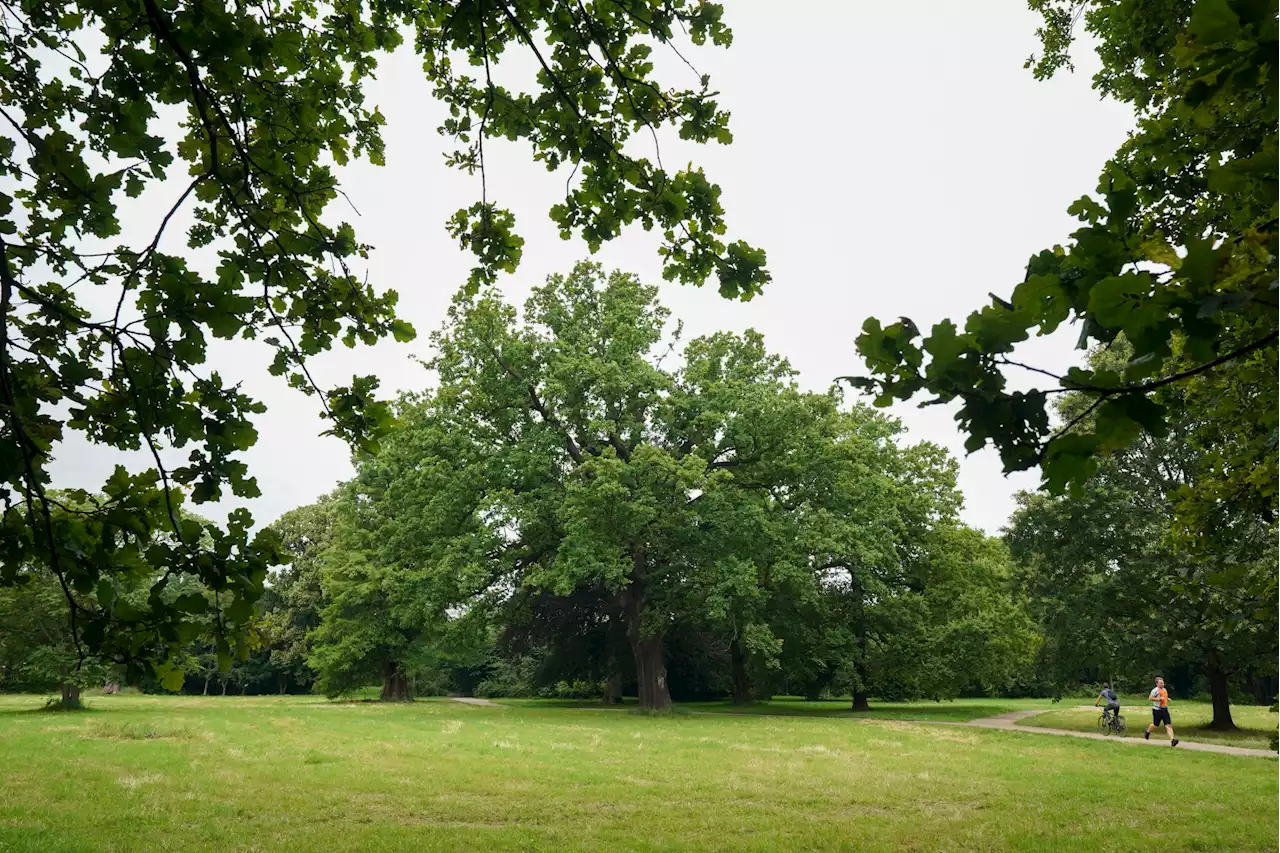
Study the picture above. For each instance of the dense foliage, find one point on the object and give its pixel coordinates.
(1117, 593)
(1177, 253)
(233, 117)
(590, 490)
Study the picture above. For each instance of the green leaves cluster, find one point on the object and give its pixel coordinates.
(236, 116)
(1176, 253)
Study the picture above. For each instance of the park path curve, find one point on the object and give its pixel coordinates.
(1009, 722)
(1005, 722)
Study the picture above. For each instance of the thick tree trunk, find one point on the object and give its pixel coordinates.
(646, 648)
(1221, 700)
(742, 694)
(70, 696)
(860, 701)
(395, 685)
(651, 673)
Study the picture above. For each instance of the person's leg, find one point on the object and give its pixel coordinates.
(1162, 716)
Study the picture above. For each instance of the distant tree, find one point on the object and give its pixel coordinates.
(37, 650)
(292, 606)
(251, 107)
(405, 534)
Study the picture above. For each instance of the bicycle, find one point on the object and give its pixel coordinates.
(1111, 724)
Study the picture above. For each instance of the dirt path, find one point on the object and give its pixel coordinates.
(1006, 722)
(1009, 722)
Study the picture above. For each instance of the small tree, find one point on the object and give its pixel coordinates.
(37, 646)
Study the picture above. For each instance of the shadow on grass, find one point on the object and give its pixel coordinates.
(927, 711)
(51, 706)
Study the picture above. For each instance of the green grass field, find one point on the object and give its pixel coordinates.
(234, 775)
(1256, 723)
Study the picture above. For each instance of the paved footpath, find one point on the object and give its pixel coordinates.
(1009, 722)
(471, 700)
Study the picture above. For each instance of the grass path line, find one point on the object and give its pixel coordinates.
(1009, 722)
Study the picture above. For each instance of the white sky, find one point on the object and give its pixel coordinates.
(892, 158)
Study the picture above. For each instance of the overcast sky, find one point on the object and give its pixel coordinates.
(892, 159)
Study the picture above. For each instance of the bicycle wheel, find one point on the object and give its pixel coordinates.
(1104, 725)
(1120, 726)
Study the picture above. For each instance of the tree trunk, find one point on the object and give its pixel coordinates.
(207, 679)
(651, 673)
(70, 696)
(224, 687)
(1221, 700)
(395, 684)
(860, 666)
(741, 683)
(284, 683)
(646, 648)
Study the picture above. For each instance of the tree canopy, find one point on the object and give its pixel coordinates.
(584, 479)
(1176, 252)
(239, 116)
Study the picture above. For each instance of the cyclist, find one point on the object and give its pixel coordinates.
(1112, 707)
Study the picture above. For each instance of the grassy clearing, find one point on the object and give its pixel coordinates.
(302, 774)
(1256, 722)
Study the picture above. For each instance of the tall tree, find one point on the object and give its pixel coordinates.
(610, 467)
(106, 333)
(566, 482)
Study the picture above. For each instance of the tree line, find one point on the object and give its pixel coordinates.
(1173, 265)
(585, 504)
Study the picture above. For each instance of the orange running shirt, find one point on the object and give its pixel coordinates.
(1159, 698)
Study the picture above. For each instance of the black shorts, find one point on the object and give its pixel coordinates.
(1160, 716)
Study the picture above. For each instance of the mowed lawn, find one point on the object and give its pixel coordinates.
(302, 774)
(1255, 722)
